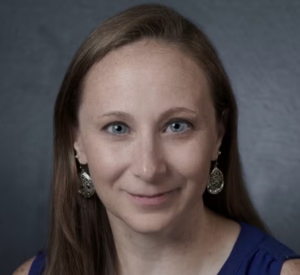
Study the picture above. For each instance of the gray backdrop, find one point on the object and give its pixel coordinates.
(258, 42)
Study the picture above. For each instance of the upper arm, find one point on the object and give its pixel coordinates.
(291, 267)
(24, 268)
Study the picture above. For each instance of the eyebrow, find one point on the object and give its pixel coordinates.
(165, 114)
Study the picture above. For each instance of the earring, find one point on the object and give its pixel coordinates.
(216, 180)
(86, 188)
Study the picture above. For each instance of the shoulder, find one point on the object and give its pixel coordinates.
(24, 268)
(291, 267)
(257, 252)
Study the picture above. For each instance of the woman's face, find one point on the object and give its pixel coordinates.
(147, 131)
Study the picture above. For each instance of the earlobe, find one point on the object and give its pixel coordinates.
(220, 135)
(81, 157)
(216, 154)
(222, 129)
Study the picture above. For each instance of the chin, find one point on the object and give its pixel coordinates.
(150, 223)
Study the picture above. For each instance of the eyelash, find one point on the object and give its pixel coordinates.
(189, 126)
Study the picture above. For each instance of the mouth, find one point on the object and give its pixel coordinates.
(151, 199)
(150, 195)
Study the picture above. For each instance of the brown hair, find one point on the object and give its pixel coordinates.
(81, 240)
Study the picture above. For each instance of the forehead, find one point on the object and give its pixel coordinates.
(146, 73)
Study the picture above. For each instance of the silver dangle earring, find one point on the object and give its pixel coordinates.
(86, 188)
(216, 180)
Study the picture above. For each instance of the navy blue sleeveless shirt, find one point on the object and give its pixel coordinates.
(254, 253)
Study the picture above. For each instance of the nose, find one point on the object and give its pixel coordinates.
(148, 162)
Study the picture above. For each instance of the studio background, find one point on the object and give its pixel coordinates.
(259, 44)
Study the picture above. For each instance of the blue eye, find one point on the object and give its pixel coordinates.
(117, 128)
(179, 126)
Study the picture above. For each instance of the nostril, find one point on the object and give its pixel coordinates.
(149, 161)
(149, 171)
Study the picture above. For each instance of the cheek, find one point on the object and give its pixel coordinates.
(106, 161)
(189, 160)
(192, 159)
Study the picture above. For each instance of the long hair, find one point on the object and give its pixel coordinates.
(81, 240)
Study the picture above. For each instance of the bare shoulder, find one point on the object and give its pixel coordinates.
(24, 268)
(291, 267)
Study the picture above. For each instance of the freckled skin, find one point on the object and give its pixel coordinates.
(145, 79)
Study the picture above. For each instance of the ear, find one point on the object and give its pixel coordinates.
(221, 128)
(79, 148)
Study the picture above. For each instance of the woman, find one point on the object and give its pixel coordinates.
(147, 174)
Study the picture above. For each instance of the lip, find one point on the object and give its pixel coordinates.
(151, 200)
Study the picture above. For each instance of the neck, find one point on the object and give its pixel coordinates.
(184, 248)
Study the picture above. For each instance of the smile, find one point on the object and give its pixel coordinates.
(145, 200)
